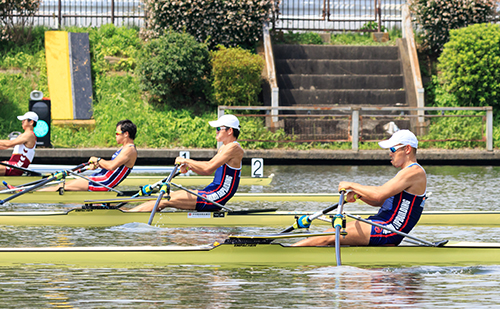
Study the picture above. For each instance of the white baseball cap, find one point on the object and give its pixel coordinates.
(403, 137)
(29, 115)
(229, 121)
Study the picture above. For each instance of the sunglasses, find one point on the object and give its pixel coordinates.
(218, 129)
(118, 133)
(395, 148)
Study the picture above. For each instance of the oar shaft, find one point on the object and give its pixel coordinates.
(338, 226)
(56, 176)
(165, 186)
(31, 172)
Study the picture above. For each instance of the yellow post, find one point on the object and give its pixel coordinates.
(59, 74)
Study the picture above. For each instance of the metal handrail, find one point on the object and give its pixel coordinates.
(355, 115)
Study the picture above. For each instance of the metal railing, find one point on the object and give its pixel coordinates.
(338, 15)
(353, 118)
(84, 13)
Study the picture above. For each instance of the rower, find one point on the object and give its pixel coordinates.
(112, 171)
(400, 200)
(226, 164)
(24, 147)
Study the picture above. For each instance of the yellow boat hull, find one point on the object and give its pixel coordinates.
(79, 197)
(136, 181)
(226, 255)
(114, 217)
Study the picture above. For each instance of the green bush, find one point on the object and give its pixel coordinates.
(437, 17)
(216, 22)
(470, 66)
(236, 76)
(175, 69)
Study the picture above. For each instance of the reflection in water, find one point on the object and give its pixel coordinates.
(202, 287)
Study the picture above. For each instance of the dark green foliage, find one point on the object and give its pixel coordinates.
(290, 37)
(470, 66)
(437, 17)
(216, 22)
(175, 69)
(236, 76)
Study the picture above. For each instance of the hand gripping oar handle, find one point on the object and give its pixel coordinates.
(56, 176)
(31, 172)
(164, 188)
(305, 221)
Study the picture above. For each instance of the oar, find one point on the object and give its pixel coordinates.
(338, 224)
(164, 188)
(56, 176)
(30, 172)
(421, 241)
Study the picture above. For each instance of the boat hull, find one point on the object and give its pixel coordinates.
(114, 217)
(79, 197)
(136, 181)
(459, 254)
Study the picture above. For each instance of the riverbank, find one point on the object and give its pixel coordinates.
(274, 156)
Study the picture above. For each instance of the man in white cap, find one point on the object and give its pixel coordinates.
(226, 164)
(401, 199)
(24, 146)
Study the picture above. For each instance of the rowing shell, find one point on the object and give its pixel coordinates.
(229, 255)
(136, 181)
(113, 217)
(78, 197)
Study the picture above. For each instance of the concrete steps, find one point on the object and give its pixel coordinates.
(327, 76)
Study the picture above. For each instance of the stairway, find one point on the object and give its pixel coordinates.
(318, 75)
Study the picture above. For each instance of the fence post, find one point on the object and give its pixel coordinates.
(489, 128)
(59, 17)
(355, 129)
(113, 12)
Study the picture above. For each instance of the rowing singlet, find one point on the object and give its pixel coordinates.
(222, 188)
(109, 178)
(400, 212)
(22, 156)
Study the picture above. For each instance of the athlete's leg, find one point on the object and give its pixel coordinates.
(78, 184)
(178, 199)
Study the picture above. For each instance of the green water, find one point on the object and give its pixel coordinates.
(453, 188)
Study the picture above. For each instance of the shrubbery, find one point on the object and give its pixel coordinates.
(216, 22)
(236, 76)
(437, 17)
(470, 66)
(17, 28)
(175, 69)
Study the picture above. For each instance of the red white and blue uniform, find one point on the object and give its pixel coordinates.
(222, 188)
(400, 212)
(109, 178)
(22, 156)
